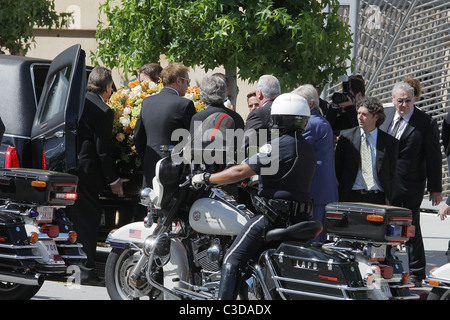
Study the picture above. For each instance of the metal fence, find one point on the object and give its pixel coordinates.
(394, 39)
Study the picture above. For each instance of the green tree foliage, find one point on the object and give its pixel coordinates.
(18, 17)
(295, 40)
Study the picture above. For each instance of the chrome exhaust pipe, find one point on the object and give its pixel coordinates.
(29, 279)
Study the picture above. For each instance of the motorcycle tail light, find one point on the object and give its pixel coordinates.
(386, 271)
(335, 215)
(409, 231)
(67, 196)
(401, 219)
(51, 230)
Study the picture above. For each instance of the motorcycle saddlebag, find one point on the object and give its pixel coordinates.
(38, 186)
(301, 272)
(366, 221)
(15, 249)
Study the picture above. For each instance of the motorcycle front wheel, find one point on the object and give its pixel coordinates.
(119, 264)
(439, 294)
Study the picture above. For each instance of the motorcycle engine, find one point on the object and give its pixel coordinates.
(208, 253)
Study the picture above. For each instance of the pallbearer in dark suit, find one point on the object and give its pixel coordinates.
(96, 168)
(161, 115)
(365, 157)
(268, 89)
(419, 163)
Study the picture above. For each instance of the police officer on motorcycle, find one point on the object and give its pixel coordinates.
(285, 168)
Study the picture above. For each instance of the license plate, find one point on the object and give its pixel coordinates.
(378, 252)
(51, 248)
(45, 214)
(52, 251)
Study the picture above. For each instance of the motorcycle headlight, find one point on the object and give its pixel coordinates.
(159, 247)
(145, 197)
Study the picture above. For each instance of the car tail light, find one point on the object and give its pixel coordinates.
(44, 162)
(11, 158)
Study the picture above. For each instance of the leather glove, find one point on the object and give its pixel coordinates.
(200, 179)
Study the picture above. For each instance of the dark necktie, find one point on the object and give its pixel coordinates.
(396, 126)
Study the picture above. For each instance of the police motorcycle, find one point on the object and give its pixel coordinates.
(37, 241)
(177, 252)
(439, 281)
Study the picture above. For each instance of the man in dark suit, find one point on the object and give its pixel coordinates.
(257, 125)
(350, 159)
(96, 167)
(161, 115)
(419, 163)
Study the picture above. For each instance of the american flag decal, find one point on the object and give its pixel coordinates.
(135, 234)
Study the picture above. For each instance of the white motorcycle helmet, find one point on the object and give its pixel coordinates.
(290, 112)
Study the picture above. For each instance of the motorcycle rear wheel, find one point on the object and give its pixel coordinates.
(14, 291)
(119, 264)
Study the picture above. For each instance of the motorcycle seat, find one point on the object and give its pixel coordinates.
(302, 231)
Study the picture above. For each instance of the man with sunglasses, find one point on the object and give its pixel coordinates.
(161, 115)
(419, 163)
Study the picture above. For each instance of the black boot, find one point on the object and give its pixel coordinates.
(228, 282)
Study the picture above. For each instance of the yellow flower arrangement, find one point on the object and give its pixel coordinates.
(126, 103)
(193, 93)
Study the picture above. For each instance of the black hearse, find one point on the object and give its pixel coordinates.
(40, 107)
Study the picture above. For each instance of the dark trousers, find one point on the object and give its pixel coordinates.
(415, 246)
(251, 238)
(85, 215)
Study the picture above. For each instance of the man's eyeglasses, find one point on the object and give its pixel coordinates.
(400, 101)
(187, 80)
